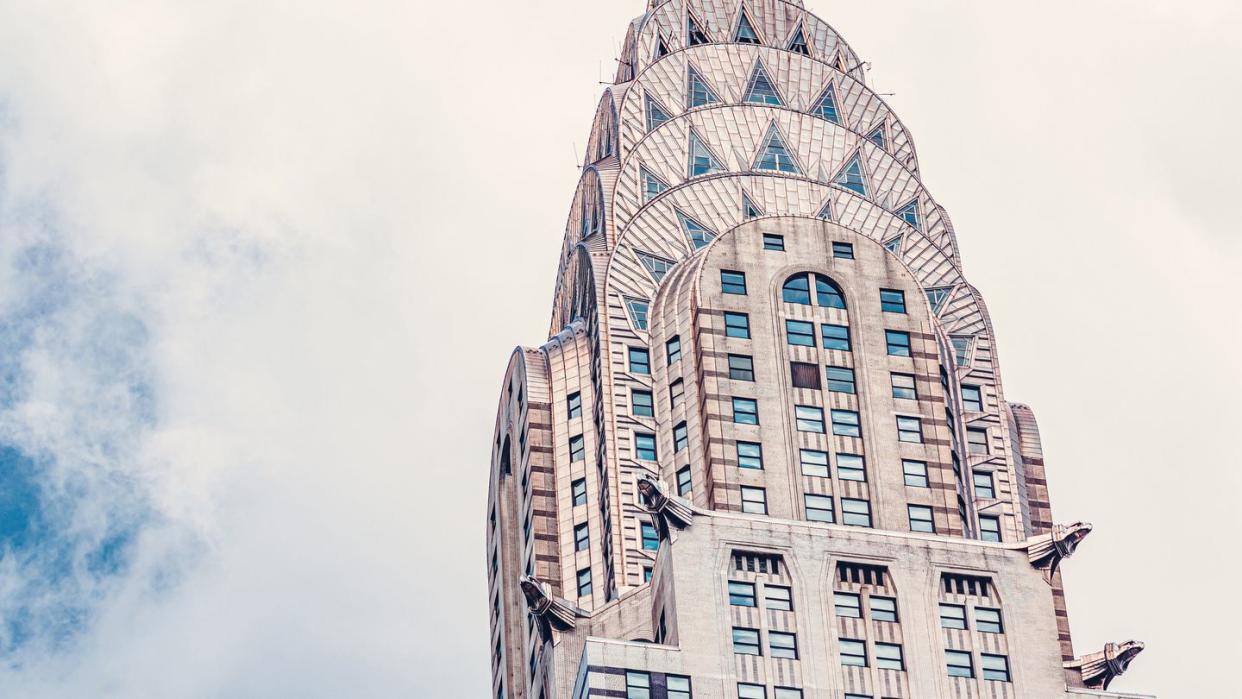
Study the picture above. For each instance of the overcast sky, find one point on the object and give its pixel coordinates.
(261, 266)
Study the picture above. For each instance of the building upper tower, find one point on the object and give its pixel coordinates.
(765, 451)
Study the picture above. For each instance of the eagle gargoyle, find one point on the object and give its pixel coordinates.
(552, 612)
(1100, 669)
(669, 511)
(1048, 550)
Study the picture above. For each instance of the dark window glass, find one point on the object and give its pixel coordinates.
(771, 241)
(575, 404)
(640, 363)
(577, 490)
(843, 251)
(827, 293)
(741, 368)
(892, 301)
(804, 375)
(651, 538)
(797, 289)
(732, 282)
(898, 343)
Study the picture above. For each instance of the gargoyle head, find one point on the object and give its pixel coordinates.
(1074, 535)
(1126, 652)
(649, 490)
(533, 591)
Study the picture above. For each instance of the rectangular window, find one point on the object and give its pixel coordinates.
(741, 594)
(672, 349)
(840, 379)
(684, 485)
(644, 447)
(799, 332)
(856, 513)
(985, 486)
(988, 620)
(835, 337)
(804, 375)
(915, 473)
(844, 251)
(814, 463)
(909, 429)
(584, 582)
(787, 693)
(845, 423)
(577, 448)
(989, 528)
(903, 387)
(640, 362)
(582, 537)
(681, 437)
(898, 343)
(893, 300)
(782, 645)
(751, 691)
(771, 241)
(972, 399)
(574, 402)
(678, 687)
(809, 418)
(676, 392)
(995, 667)
(745, 411)
(888, 657)
(850, 467)
(642, 403)
(741, 368)
(732, 282)
(921, 519)
(737, 325)
(778, 598)
(959, 663)
(977, 440)
(952, 616)
(853, 653)
(847, 604)
(637, 685)
(754, 500)
(745, 641)
(577, 491)
(749, 455)
(819, 508)
(883, 608)
(651, 538)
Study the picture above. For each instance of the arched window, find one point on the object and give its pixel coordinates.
(797, 289)
(827, 293)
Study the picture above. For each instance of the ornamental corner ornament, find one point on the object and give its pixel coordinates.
(1100, 669)
(1048, 550)
(669, 511)
(551, 611)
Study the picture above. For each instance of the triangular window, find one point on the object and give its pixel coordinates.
(760, 90)
(840, 63)
(695, 36)
(698, 93)
(661, 49)
(894, 245)
(696, 232)
(797, 43)
(656, 114)
(745, 33)
(851, 177)
(826, 105)
(910, 214)
(652, 186)
(877, 136)
(775, 155)
(961, 349)
(825, 212)
(937, 296)
(749, 210)
(702, 161)
(638, 313)
(656, 266)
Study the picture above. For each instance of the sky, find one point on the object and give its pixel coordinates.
(262, 264)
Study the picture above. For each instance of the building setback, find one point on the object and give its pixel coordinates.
(766, 452)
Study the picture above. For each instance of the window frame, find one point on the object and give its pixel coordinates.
(903, 392)
(898, 343)
(737, 325)
(752, 414)
(843, 383)
(895, 301)
(907, 475)
(732, 282)
(745, 369)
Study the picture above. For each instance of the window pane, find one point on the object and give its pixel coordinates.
(972, 398)
(787, 693)
(797, 289)
(952, 616)
(809, 418)
(745, 641)
(773, 242)
(845, 423)
(915, 473)
(995, 667)
(989, 528)
(741, 368)
(783, 645)
(819, 508)
(903, 387)
(578, 491)
(827, 293)
(800, 332)
(892, 301)
(978, 440)
(984, 485)
(575, 404)
(737, 325)
(840, 379)
(749, 455)
(814, 463)
(959, 663)
(843, 250)
(909, 429)
(639, 363)
(644, 447)
(850, 467)
(847, 604)
(883, 608)
(673, 349)
(732, 282)
(751, 691)
(898, 343)
(745, 411)
(921, 519)
(888, 656)
(684, 485)
(836, 337)
(778, 598)
(988, 620)
(853, 653)
(741, 594)
(855, 512)
(681, 437)
(643, 404)
(754, 500)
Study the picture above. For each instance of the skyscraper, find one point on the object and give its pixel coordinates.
(765, 451)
